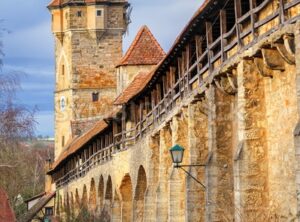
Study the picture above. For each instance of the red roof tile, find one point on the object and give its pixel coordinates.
(78, 142)
(54, 3)
(6, 213)
(145, 50)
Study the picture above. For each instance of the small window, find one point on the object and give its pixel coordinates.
(63, 141)
(63, 69)
(49, 211)
(99, 13)
(79, 13)
(62, 103)
(95, 96)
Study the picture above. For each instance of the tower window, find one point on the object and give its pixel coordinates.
(99, 13)
(48, 211)
(62, 103)
(95, 96)
(79, 13)
(63, 141)
(63, 69)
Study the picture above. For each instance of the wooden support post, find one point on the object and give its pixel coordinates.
(253, 17)
(223, 26)
(173, 82)
(179, 67)
(153, 97)
(281, 8)
(141, 118)
(123, 122)
(158, 93)
(188, 75)
(238, 14)
(199, 52)
(209, 41)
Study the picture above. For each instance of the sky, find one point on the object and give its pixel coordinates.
(29, 46)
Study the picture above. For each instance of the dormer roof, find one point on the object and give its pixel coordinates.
(145, 50)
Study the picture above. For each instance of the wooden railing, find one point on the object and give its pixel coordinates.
(187, 83)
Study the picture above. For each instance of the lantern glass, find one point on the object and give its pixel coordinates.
(177, 154)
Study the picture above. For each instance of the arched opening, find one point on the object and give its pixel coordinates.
(77, 199)
(126, 192)
(92, 199)
(101, 192)
(84, 199)
(139, 197)
(106, 211)
(58, 197)
(108, 192)
(72, 205)
(67, 205)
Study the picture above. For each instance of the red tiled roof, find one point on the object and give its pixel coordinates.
(144, 50)
(141, 81)
(54, 3)
(138, 83)
(6, 213)
(78, 142)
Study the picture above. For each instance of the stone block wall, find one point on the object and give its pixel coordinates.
(85, 64)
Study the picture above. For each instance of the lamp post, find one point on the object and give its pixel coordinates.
(177, 153)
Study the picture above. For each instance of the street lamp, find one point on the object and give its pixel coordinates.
(177, 153)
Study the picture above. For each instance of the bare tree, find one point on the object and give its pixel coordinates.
(21, 160)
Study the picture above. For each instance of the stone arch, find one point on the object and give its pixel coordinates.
(106, 211)
(67, 204)
(126, 192)
(77, 199)
(72, 205)
(108, 191)
(101, 192)
(139, 197)
(93, 196)
(84, 199)
(58, 207)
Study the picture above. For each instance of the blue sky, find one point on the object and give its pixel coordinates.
(29, 46)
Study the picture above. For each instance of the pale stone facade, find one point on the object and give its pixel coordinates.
(238, 116)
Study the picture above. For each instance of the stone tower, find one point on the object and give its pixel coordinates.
(88, 45)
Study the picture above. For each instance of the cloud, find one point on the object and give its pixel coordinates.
(33, 42)
(165, 18)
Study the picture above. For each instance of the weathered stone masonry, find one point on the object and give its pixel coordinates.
(228, 92)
